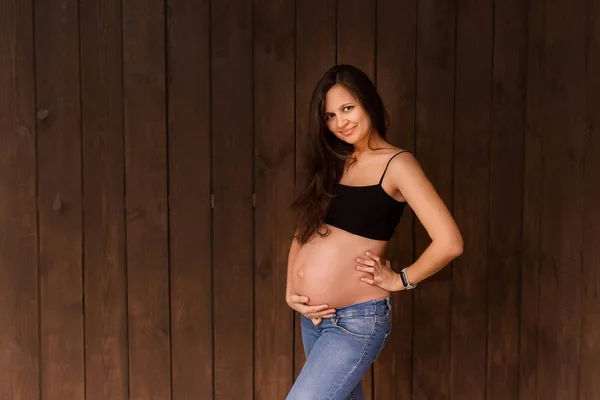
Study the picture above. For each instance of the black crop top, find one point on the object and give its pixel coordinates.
(366, 211)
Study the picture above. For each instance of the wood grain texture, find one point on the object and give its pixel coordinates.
(105, 286)
(315, 54)
(506, 196)
(532, 199)
(472, 136)
(189, 198)
(148, 154)
(356, 34)
(589, 385)
(59, 191)
(19, 301)
(146, 199)
(396, 83)
(232, 141)
(562, 200)
(274, 179)
(433, 147)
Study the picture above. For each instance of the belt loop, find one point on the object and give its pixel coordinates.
(389, 302)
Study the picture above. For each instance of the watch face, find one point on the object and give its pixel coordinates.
(404, 279)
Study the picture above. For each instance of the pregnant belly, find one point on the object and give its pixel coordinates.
(324, 270)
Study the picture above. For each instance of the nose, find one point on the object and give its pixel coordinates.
(342, 122)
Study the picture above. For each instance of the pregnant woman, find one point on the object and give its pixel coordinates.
(356, 189)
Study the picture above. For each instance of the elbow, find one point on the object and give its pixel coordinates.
(456, 249)
(453, 249)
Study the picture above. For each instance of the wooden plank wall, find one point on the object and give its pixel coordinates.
(148, 153)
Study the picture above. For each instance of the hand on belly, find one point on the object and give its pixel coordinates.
(378, 271)
(315, 313)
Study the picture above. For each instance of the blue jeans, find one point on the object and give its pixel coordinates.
(340, 350)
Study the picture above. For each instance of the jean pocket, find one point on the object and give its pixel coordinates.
(361, 327)
(383, 319)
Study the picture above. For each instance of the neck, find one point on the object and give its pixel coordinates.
(373, 141)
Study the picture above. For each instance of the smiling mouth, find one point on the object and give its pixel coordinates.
(348, 132)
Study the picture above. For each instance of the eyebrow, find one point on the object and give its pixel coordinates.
(342, 106)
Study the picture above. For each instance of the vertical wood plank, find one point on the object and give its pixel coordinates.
(315, 54)
(19, 359)
(472, 135)
(396, 79)
(356, 43)
(562, 204)
(589, 385)
(59, 189)
(190, 205)
(146, 201)
(104, 203)
(506, 195)
(232, 124)
(532, 199)
(274, 176)
(434, 136)
(356, 34)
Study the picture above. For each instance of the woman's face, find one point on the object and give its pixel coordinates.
(345, 116)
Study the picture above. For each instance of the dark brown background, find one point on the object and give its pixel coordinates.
(148, 156)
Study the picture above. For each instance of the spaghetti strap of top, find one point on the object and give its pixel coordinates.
(388, 164)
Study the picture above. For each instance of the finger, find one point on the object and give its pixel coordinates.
(366, 262)
(373, 256)
(326, 312)
(367, 280)
(328, 316)
(366, 269)
(316, 314)
(299, 299)
(316, 309)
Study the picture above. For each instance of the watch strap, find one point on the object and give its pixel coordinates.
(405, 281)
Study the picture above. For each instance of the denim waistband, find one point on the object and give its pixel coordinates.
(371, 307)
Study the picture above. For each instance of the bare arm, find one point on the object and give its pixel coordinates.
(447, 242)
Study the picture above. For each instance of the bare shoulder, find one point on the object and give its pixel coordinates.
(407, 177)
(401, 163)
(390, 152)
(395, 150)
(404, 162)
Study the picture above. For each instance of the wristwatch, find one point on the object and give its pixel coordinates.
(405, 281)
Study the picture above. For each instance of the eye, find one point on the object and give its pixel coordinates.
(348, 108)
(328, 116)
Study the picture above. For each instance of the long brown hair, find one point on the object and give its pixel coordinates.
(326, 154)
